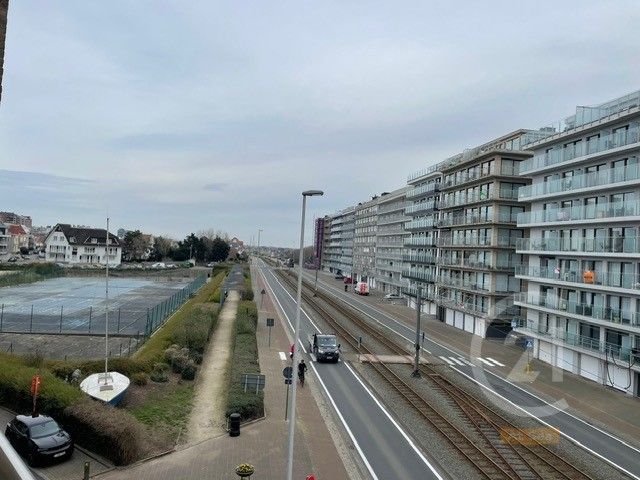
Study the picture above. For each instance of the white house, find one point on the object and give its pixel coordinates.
(80, 245)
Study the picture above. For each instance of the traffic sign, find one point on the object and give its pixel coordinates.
(287, 381)
(270, 322)
(514, 323)
(287, 372)
(528, 344)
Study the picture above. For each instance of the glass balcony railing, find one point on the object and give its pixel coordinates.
(420, 241)
(456, 200)
(629, 281)
(448, 241)
(419, 275)
(424, 294)
(419, 258)
(452, 262)
(600, 312)
(581, 244)
(581, 212)
(419, 224)
(597, 145)
(423, 190)
(462, 283)
(500, 217)
(576, 340)
(421, 207)
(470, 176)
(607, 178)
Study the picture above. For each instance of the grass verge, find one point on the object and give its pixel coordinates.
(31, 273)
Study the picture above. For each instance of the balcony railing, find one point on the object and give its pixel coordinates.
(600, 212)
(420, 241)
(552, 302)
(419, 258)
(419, 275)
(470, 176)
(581, 244)
(461, 283)
(449, 262)
(607, 178)
(421, 207)
(430, 187)
(424, 294)
(458, 200)
(596, 145)
(629, 281)
(576, 340)
(420, 224)
(447, 241)
(500, 217)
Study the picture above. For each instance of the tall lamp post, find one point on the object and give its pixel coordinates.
(296, 335)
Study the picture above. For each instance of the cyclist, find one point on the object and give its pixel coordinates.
(302, 368)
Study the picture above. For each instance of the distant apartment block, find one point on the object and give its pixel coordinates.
(81, 245)
(582, 298)
(389, 244)
(337, 243)
(10, 217)
(5, 238)
(364, 241)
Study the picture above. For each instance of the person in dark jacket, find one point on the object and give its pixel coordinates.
(302, 368)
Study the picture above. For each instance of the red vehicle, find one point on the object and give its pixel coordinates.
(348, 280)
(361, 288)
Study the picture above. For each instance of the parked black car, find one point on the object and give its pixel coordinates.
(39, 438)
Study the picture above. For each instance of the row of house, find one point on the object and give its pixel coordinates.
(536, 231)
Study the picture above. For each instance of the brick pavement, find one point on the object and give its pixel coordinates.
(262, 443)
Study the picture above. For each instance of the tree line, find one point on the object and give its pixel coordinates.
(205, 247)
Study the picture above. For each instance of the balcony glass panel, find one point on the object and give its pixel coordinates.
(581, 212)
(581, 244)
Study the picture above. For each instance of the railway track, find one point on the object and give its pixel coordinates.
(505, 452)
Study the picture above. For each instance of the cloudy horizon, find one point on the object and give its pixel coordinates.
(174, 118)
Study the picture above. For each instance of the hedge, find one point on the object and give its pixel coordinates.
(244, 360)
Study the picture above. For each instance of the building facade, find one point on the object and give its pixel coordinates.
(582, 298)
(5, 239)
(364, 241)
(389, 243)
(338, 242)
(80, 245)
(16, 219)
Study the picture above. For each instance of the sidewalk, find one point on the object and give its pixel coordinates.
(262, 443)
(606, 408)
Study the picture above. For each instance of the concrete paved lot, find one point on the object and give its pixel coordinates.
(71, 469)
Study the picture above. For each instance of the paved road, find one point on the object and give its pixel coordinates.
(384, 447)
(608, 447)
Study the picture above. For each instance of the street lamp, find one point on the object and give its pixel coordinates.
(296, 334)
(259, 232)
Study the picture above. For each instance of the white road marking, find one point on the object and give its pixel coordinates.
(486, 362)
(447, 360)
(468, 362)
(283, 356)
(496, 362)
(458, 361)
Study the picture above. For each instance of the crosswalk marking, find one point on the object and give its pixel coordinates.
(486, 362)
(283, 357)
(447, 360)
(496, 362)
(458, 361)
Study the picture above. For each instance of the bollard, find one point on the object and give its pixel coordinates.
(87, 470)
(234, 425)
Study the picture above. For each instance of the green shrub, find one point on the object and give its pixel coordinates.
(111, 432)
(125, 365)
(189, 370)
(194, 332)
(159, 376)
(197, 358)
(179, 362)
(139, 379)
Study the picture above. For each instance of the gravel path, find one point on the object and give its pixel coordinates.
(207, 416)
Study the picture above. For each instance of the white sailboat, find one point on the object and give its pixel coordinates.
(109, 387)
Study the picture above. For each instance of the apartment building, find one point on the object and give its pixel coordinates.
(5, 239)
(337, 249)
(364, 241)
(389, 244)
(81, 245)
(583, 244)
(420, 254)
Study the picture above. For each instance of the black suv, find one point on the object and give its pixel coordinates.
(39, 438)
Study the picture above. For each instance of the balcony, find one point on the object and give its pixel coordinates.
(588, 311)
(460, 200)
(461, 283)
(599, 245)
(448, 241)
(574, 340)
(607, 178)
(419, 275)
(420, 242)
(419, 258)
(424, 294)
(421, 224)
(426, 189)
(500, 217)
(629, 281)
(605, 142)
(422, 207)
(449, 262)
(595, 213)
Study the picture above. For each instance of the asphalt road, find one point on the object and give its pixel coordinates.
(384, 447)
(612, 449)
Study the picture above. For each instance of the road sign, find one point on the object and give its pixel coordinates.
(514, 323)
(253, 381)
(270, 322)
(287, 372)
(287, 381)
(528, 344)
(263, 291)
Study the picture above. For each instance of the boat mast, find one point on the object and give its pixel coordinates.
(106, 309)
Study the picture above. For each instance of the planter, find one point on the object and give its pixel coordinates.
(244, 470)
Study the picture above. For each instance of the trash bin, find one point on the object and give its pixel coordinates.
(234, 425)
(346, 287)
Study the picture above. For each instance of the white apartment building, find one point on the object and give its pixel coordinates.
(337, 245)
(364, 241)
(80, 245)
(390, 237)
(583, 271)
(5, 239)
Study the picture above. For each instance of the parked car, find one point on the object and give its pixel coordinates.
(517, 339)
(158, 265)
(339, 276)
(348, 280)
(393, 296)
(39, 438)
(12, 259)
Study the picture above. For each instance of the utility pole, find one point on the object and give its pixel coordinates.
(259, 231)
(416, 366)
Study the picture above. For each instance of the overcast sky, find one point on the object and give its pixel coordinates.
(179, 116)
